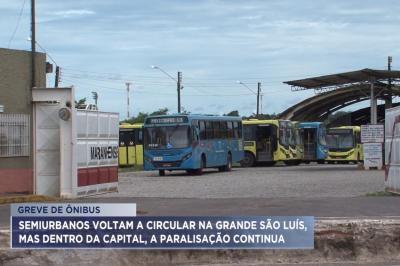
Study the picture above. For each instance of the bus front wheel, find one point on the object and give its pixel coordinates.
(248, 160)
(228, 166)
(202, 165)
(161, 172)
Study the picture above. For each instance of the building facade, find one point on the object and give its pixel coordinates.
(16, 119)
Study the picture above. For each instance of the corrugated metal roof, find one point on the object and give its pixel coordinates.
(362, 75)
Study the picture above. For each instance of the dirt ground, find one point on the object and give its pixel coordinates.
(337, 242)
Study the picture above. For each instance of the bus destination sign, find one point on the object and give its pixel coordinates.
(167, 120)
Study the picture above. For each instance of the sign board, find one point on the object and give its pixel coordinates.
(372, 155)
(372, 133)
(167, 120)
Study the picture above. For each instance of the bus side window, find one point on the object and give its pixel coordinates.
(240, 130)
(122, 137)
(209, 130)
(217, 131)
(130, 140)
(236, 130)
(195, 136)
(139, 136)
(358, 139)
(230, 129)
(223, 129)
(202, 125)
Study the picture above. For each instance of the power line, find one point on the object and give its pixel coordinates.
(146, 82)
(16, 26)
(100, 87)
(214, 80)
(201, 89)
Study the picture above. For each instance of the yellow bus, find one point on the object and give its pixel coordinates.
(296, 143)
(269, 141)
(130, 145)
(344, 144)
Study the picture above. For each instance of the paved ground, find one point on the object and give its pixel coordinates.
(304, 181)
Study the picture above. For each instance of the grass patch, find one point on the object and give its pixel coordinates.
(130, 169)
(381, 194)
(26, 198)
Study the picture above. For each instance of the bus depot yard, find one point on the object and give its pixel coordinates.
(303, 181)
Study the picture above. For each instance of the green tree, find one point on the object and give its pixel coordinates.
(80, 102)
(232, 113)
(141, 116)
(262, 116)
(161, 111)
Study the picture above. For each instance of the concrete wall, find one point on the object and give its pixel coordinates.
(16, 173)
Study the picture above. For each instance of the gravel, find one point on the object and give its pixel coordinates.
(304, 181)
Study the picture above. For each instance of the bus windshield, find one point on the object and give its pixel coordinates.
(340, 139)
(167, 137)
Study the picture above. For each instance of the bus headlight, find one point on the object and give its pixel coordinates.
(187, 156)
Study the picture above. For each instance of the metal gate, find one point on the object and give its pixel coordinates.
(47, 149)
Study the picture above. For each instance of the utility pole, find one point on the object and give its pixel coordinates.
(388, 103)
(57, 78)
(179, 91)
(258, 97)
(128, 84)
(33, 44)
(95, 96)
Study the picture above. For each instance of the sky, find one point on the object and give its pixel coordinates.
(102, 44)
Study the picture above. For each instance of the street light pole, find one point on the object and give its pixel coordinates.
(178, 84)
(179, 91)
(255, 93)
(33, 44)
(128, 84)
(258, 97)
(390, 93)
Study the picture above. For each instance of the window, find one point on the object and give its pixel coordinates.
(139, 136)
(230, 129)
(168, 137)
(202, 125)
(236, 133)
(209, 130)
(217, 131)
(14, 135)
(223, 128)
(126, 137)
(250, 132)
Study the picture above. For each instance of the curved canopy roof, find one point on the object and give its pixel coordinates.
(345, 78)
(340, 90)
(318, 107)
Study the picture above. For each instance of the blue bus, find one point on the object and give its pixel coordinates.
(313, 136)
(192, 143)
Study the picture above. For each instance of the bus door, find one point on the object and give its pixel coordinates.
(264, 143)
(126, 138)
(138, 147)
(127, 154)
(310, 138)
(123, 152)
